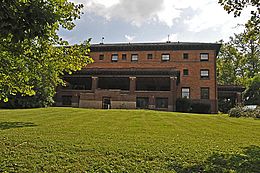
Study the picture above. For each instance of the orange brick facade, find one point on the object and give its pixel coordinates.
(183, 58)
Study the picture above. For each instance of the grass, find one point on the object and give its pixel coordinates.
(85, 140)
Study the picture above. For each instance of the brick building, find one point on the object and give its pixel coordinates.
(144, 75)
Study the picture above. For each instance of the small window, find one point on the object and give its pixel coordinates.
(101, 57)
(185, 56)
(124, 57)
(161, 102)
(114, 57)
(204, 57)
(134, 57)
(204, 93)
(185, 93)
(204, 74)
(165, 57)
(185, 72)
(149, 56)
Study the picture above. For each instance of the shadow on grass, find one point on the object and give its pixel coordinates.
(10, 125)
(248, 161)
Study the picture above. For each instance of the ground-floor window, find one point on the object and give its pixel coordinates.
(161, 102)
(204, 93)
(142, 102)
(66, 100)
(185, 92)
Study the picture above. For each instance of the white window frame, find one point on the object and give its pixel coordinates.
(204, 57)
(134, 57)
(114, 57)
(165, 57)
(185, 92)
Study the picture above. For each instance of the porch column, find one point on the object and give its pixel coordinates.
(239, 97)
(132, 85)
(173, 95)
(94, 83)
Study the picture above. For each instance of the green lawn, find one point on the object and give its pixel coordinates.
(85, 140)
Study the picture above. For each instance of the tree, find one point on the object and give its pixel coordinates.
(252, 94)
(253, 24)
(33, 56)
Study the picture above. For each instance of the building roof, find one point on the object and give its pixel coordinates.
(155, 46)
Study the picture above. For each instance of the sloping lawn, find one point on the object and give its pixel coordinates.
(85, 140)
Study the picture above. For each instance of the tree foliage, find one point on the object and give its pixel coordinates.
(237, 6)
(33, 56)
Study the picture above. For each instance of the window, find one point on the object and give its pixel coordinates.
(124, 57)
(185, 72)
(149, 56)
(204, 74)
(204, 93)
(185, 93)
(204, 57)
(114, 57)
(66, 100)
(185, 56)
(161, 102)
(134, 57)
(142, 102)
(165, 57)
(101, 57)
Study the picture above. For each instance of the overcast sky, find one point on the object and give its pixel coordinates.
(153, 20)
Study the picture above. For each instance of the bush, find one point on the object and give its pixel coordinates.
(183, 105)
(240, 111)
(198, 107)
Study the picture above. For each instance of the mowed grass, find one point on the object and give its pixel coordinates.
(86, 140)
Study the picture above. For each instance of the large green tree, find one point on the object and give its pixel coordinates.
(32, 55)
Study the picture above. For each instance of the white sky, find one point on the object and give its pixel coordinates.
(153, 20)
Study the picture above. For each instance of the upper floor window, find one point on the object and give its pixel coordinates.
(204, 57)
(185, 56)
(185, 72)
(124, 57)
(185, 92)
(114, 57)
(134, 57)
(101, 57)
(149, 56)
(204, 74)
(165, 57)
(204, 93)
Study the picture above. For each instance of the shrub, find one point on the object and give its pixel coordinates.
(198, 107)
(183, 104)
(240, 111)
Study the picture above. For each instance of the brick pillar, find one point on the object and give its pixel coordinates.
(173, 94)
(94, 83)
(132, 85)
(239, 98)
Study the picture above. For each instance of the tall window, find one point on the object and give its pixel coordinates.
(185, 56)
(101, 57)
(185, 72)
(124, 57)
(204, 74)
(142, 102)
(185, 92)
(114, 57)
(134, 57)
(165, 57)
(149, 56)
(204, 93)
(161, 102)
(204, 57)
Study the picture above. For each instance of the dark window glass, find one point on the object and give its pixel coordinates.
(204, 57)
(142, 102)
(101, 57)
(185, 56)
(123, 56)
(204, 93)
(204, 74)
(185, 72)
(149, 56)
(66, 100)
(161, 102)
